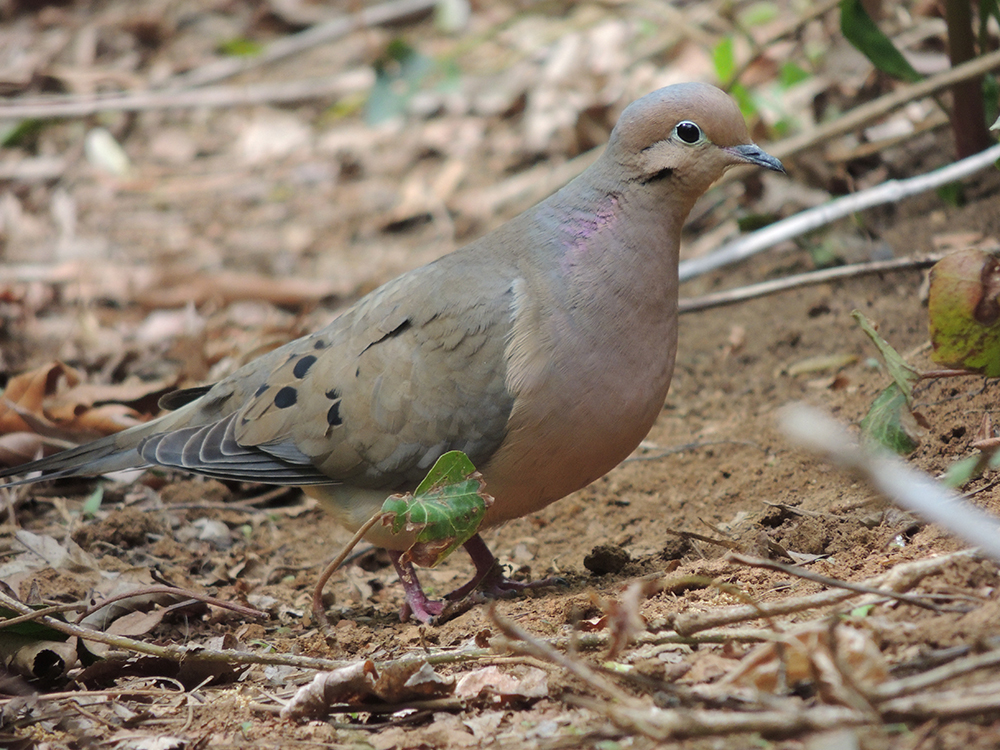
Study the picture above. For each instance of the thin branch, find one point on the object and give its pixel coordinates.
(765, 288)
(907, 487)
(900, 578)
(216, 96)
(892, 191)
(809, 575)
(294, 44)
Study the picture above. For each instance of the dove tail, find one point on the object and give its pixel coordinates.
(112, 453)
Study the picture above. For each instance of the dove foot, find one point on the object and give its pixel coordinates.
(489, 582)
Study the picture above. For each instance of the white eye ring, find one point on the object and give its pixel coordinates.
(688, 132)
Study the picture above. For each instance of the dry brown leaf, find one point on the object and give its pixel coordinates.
(809, 655)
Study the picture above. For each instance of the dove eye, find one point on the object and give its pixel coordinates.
(688, 132)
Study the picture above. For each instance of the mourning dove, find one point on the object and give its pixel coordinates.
(543, 350)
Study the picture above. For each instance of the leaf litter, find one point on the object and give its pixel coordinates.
(246, 246)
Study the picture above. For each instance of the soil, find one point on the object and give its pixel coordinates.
(714, 467)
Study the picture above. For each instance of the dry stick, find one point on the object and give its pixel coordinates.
(174, 591)
(976, 700)
(665, 724)
(296, 43)
(318, 612)
(216, 96)
(907, 487)
(524, 642)
(765, 288)
(900, 578)
(858, 588)
(860, 116)
(174, 653)
(533, 184)
(892, 191)
(957, 668)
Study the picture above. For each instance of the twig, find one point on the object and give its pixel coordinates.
(892, 191)
(763, 289)
(173, 653)
(904, 485)
(957, 668)
(523, 642)
(174, 591)
(318, 611)
(216, 96)
(809, 575)
(291, 45)
(900, 578)
(860, 116)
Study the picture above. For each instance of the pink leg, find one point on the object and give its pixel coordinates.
(416, 602)
(488, 582)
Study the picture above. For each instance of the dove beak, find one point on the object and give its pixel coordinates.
(754, 154)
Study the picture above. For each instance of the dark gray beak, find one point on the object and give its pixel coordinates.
(754, 154)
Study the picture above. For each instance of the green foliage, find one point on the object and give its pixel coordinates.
(445, 510)
(401, 72)
(758, 14)
(21, 134)
(93, 503)
(861, 31)
(240, 47)
(724, 59)
(889, 421)
(952, 194)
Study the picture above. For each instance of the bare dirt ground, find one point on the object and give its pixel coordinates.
(130, 278)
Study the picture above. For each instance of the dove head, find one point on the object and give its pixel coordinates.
(684, 137)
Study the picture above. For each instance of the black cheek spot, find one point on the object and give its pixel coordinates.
(286, 397)
(261, 391)
(302, 366)
(333, 394)
(333, 416)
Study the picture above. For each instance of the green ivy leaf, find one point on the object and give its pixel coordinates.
(445, 510)
(890, 422)
(861, 31)
(904, 375)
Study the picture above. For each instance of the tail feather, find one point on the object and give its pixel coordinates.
(112, 453)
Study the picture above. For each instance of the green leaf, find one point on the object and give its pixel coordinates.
(93, 503)
(241, 47)
(724, 59)
(890, 423)
(952, 194)
(758, 14)
(399, 74)
(861, 31)
(748, 107)
(445, 510)
(904, 375)
(791, 74)
(963, 311)
(963, 471)
(21, 134)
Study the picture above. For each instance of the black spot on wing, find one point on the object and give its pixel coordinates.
(261, 391)
(333, 394)
(333, 417)
(320, 344)
(302, 366)
(286, 397)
